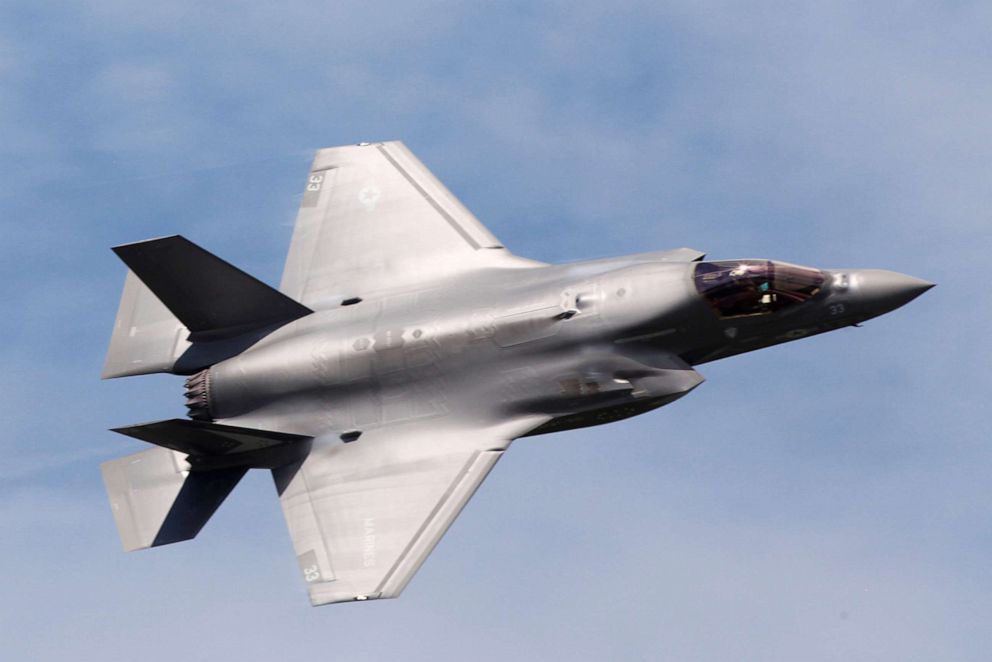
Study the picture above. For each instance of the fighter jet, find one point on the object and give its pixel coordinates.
(404, 351)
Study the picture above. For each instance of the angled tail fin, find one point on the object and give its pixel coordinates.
(166, 494)
(212, 445)
(175, 294)
(212, 298)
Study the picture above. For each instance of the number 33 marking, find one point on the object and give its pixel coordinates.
(314, 182)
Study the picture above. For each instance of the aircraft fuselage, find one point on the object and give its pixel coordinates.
(584, 343)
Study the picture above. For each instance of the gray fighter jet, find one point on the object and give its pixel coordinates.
(405, 350)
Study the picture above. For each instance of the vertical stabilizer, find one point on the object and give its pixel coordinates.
(211, 297)
(178, 296)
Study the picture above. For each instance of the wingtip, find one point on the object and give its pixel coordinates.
(325, 594)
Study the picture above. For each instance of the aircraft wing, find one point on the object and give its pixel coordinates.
(374, 218)
(364, 515)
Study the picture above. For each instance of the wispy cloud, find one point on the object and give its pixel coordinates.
(822, 500)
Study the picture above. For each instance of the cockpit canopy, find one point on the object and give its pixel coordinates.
(755, 287)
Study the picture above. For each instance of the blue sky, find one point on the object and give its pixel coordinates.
(823, 500)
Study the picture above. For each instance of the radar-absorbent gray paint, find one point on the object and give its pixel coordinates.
(404, 351)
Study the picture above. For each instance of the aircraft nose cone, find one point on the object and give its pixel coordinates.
(883, 291)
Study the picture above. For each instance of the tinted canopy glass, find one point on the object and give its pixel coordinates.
(755, 287)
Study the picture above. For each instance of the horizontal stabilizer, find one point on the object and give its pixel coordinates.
(147, 337)
(157, 500)
(212, 445)
(212, 298)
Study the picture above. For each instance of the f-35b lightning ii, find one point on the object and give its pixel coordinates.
(403, 352)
